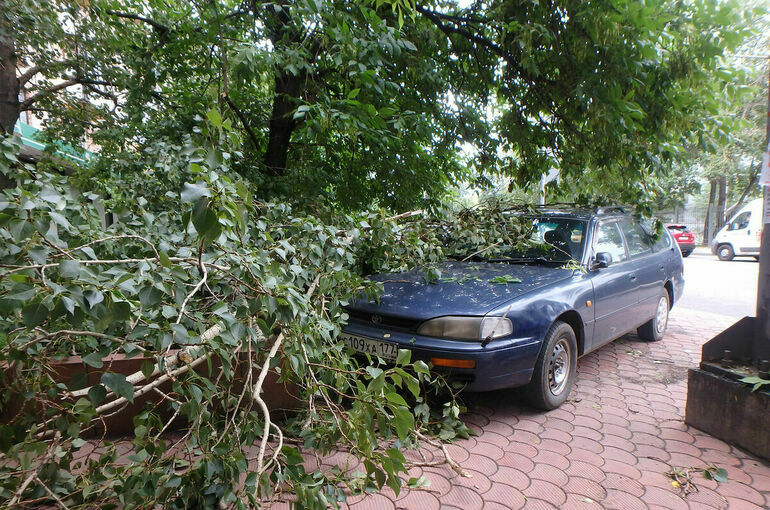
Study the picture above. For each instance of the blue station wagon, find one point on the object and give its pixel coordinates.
(524, 320)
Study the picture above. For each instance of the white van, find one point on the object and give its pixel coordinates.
(740, 237)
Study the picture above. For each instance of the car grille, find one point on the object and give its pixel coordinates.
(383, 321)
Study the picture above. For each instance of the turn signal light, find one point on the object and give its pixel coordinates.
(453, 363)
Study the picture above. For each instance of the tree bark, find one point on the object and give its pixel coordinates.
(707, 233)
(281, 125)
(287, 89)
(721, 203)
(9, 86)
(752, 182)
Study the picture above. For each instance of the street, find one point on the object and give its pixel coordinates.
(726, 288)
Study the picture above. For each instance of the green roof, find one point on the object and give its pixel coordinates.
(30, 136)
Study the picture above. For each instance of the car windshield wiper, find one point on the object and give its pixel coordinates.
(524, 260)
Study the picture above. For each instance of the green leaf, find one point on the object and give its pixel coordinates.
(720, 475)
(93, 359)
(505, 279)
(395, 398)
(193, 192)
(214, 117)
(97, 394)
(34, 314)
(758, 382)
(403, 421)
(69, 268)
(119, 385)
(164, 260)
(404, 357)
(206, 221)
(149, 296)
(374, 372)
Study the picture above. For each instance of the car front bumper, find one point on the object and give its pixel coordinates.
(503, 363)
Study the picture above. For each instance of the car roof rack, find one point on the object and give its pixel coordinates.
(611, 209)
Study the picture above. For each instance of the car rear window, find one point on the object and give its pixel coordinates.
(637, 239)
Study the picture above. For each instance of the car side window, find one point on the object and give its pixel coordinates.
(664, 241)
(637, 240)
(740, 222)
(608, 239)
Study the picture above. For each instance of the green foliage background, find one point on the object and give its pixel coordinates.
(254, 155)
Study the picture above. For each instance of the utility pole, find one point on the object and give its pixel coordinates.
(761, 347)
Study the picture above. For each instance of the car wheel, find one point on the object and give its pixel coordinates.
(725, 252)
(652, 330)
(686, 253)
(555, 368)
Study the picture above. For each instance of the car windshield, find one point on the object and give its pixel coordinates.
(552, 240)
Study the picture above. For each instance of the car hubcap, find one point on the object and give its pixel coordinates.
(559, 366)
(724, 252)
(661, 317)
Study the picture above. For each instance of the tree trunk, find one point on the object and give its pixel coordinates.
(707, 233)
(752, 182)
(287, 88)
(9, 86)
(721, 203)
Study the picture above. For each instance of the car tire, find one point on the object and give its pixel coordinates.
(653, 330)
(555, 368)
(686, 254)
(725, 252)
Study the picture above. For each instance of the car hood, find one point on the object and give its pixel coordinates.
(465, 288)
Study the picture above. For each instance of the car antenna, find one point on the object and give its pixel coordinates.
(486, 341)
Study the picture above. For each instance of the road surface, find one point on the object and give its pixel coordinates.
(726, 288)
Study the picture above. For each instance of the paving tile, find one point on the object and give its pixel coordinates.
(585, 470)
(462, 497)
(482, 464)
(539, 504)
(740, 504)
(620, 500)
(734, 489)
(523, 463)
(540, 489)
(552, 459)
(707, 498)
(511, 476)
(557, 435)
(580, 502)
(586, 488)
(586, 456)
(506, 495)
(549, 473)
(656, 497)
(489, 450)
(421, 499)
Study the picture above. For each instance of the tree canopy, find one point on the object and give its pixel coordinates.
(354, 102)
(256, 156)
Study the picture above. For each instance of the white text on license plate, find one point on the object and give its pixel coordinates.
(384, 350)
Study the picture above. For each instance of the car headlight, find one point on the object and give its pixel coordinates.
(466, 328)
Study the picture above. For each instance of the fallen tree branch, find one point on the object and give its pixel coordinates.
(257, 393)
(447, 457)
(188, 355)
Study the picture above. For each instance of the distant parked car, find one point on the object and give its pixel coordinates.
(741, 236)
(523, 319)
(684, 238)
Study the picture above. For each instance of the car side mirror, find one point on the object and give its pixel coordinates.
(602, 259)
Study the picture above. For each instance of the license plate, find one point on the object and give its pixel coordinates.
(385, 350)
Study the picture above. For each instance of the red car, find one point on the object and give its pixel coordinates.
(684, 238)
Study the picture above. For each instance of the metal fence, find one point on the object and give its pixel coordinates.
(692, 215)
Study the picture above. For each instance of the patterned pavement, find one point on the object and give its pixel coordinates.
(610, 446)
